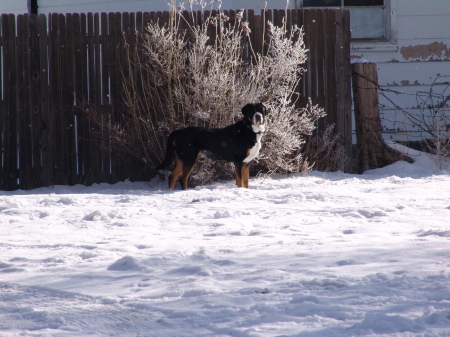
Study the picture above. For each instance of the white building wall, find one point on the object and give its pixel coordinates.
(13, 7)
(418, 54)
(85, 6)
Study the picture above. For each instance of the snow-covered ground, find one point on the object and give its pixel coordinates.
(329, 254)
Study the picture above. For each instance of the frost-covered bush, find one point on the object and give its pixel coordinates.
(189, 78)
(433, 118)
(326, 151)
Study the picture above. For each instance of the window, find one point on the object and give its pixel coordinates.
(369, 19)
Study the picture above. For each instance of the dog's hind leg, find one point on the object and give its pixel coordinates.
(175, 173)
(187, 170)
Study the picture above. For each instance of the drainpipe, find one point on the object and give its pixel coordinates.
(32, 6)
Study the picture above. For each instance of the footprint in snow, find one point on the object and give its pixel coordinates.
(87, 255)
(221, 214)
(4, 265)
(143, 246)
(124, 264)
(442, 234)
(192, 270)
(371, 214)
(348, 231)
(66, 201)
(306, 298)
(12, 270)
(89, 247)
(223, 263)
(349, 262)
(9, 268)
(94, 216)
(126, 199)
(118, 224)
(197, 293)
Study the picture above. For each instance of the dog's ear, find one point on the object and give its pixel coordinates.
(247, 109)
(261, 108)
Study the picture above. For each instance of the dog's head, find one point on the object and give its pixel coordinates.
(255, 114)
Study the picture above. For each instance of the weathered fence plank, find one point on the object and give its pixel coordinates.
(66, 97)
(311, 15)
(2, 116)
(95, 168)
(114, 73)
(55, 140)
(56, 69)
(23, 104)
(330, 68)
(105, 93)
(343, 92)
(10, 160)
(297, 19)
(44, 93)
(35, 101)
(125, 50)
(85, 174)
(70, 99)
(100, 148)
(267, 16)
(257, 39)
(320, 56)
(79, 101)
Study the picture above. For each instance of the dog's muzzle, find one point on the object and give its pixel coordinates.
(258, 119)
(258, 123)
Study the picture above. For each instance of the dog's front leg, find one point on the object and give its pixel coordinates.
(187, 170)
(245, 175)
(238, 173)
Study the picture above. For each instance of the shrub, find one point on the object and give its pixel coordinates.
(191, 79)
(326, 151)
(434, 118)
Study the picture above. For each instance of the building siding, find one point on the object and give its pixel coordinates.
(409, 65)
(84, 6)
(13, 7)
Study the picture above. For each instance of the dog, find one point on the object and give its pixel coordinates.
(239, 143)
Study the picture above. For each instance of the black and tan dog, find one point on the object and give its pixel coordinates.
(238, 143)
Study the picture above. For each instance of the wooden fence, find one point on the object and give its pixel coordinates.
(50, 64)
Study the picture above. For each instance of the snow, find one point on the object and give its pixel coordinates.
(327, 254)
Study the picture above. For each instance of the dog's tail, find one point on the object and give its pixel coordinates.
(170, 151)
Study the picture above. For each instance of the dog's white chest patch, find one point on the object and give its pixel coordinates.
(254, 150)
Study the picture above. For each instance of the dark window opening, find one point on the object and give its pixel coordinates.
(339, 3)
(368, 18)
(321, 3)
(32, 6)
(363, 3)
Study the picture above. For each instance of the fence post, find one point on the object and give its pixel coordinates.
(367, 115)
